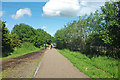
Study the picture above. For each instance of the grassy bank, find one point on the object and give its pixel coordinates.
(25, 49)
(96, 67)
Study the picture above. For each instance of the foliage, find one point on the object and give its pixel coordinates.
(15, 41)
(99, 29)
(23, 33)
(29, 34)
(60, 38)
(25, 49)
(106, 68)
(5, 41)
(111, 14)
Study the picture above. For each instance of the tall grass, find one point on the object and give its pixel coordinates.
(96, 67)
(25, 48)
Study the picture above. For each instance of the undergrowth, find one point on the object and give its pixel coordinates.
(25, 49)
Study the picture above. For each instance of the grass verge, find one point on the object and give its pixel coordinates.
(25, 49)
(96, 67)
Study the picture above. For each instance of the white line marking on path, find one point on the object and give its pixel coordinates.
(37, 68)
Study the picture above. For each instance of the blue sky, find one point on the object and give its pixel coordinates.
(52, 24)
(51, 15)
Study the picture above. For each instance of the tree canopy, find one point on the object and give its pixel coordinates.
(23, 33)
(101, 28)
(29, 34)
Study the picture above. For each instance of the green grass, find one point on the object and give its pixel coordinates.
(96, 67)
(25, 49)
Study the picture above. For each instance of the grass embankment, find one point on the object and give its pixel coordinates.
(96, 67)
(25, 49)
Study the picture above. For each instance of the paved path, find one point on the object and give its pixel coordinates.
(55, 65)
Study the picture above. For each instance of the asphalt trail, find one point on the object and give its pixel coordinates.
(55, 65)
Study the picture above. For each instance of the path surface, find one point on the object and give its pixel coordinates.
(55, 65)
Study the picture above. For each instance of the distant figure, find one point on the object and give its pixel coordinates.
(51, 46)
(54, 44)
(44, 46)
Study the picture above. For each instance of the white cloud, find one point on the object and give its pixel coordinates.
(1, 13)
(71, 7)
(61, 8)
(44, 27)
(21, 12)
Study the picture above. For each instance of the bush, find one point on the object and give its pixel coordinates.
(26, 47)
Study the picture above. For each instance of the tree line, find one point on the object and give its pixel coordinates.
(22, 33)
(94, 34)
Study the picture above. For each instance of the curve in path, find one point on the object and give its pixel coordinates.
(55, 65)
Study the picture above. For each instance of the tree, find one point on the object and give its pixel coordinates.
(6, 48)
(111, 15)
(97, 29)
(60, 38)
(15, 40)
(23, 31)
(28, 34)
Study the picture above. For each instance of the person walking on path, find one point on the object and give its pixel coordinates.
(44, 46)
(51, 46)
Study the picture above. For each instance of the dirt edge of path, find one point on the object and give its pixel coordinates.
(22, 66)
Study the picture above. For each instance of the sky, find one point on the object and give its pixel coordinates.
(50, 15)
